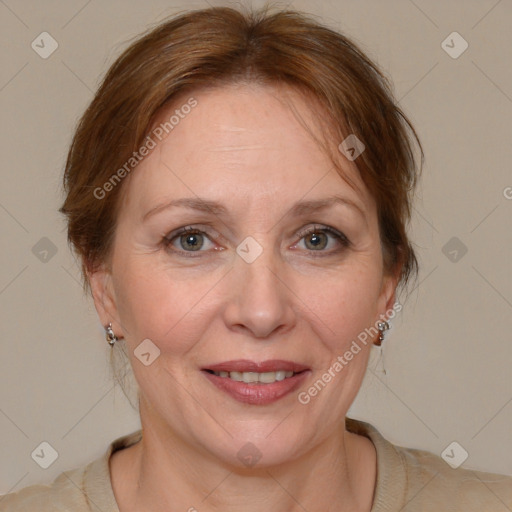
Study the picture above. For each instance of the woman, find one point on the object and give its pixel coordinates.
(238, 193)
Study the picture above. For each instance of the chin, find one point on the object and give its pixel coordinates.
(258, 444)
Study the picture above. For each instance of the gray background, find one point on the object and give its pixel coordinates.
(448, 357)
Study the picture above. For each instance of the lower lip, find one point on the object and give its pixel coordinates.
(257, 394)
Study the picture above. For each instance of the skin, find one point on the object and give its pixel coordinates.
(243, 146)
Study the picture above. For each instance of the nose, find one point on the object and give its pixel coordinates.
(259, 300)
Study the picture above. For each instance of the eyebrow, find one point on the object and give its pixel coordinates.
(300, 208)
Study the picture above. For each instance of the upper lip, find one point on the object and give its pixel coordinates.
(245, 365)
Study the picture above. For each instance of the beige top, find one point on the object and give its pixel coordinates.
(408, 480)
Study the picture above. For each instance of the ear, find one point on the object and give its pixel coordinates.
(103, 294)
(387, 297)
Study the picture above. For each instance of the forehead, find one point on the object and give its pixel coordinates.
(253, 141)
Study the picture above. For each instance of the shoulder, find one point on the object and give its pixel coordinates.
(410, 479)
(79, 490)
(64, 493)
(433, 483)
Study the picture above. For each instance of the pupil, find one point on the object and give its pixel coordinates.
(316, 240)
(192, 242)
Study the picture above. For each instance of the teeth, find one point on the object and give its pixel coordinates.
(254, 377)
(280, 375)
(268, 377)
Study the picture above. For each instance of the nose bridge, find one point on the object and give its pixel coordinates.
(259, 274)
(258, 301)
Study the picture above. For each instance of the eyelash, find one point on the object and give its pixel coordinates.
(341, 238)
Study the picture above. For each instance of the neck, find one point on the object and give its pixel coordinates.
(163, 472)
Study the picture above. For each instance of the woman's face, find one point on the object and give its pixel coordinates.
(240, 249)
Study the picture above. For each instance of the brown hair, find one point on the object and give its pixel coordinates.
(217, 46)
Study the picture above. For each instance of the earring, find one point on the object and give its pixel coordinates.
(382, 326)
(109, 335)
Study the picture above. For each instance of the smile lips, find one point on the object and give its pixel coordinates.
(257, 383)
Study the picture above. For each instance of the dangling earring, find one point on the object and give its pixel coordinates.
(109, 335)
(382, 326)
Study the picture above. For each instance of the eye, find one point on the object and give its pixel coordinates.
(318, 238)
(188, 240)
(321, 239)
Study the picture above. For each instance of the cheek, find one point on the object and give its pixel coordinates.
(345, 305)
(162, 306)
